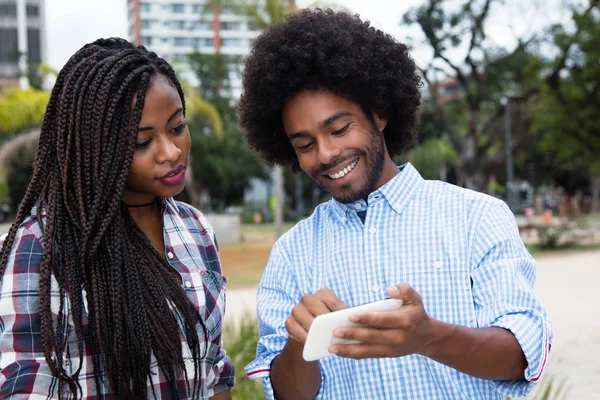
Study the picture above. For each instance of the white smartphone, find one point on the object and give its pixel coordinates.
(320, 333)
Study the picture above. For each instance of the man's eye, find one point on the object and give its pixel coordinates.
(304, 147)
(341, 131)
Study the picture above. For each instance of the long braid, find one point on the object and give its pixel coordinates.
(91, 242)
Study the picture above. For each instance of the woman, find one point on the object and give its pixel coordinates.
(109, 286)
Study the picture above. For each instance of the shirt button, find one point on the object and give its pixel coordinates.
(188, 284)
(357, 206)
(437, 264)
(375, 288)
(372, 229)
(170, 255)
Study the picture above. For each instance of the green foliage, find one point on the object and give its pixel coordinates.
(550, 389)
(21, 110)
(429, 156)
(240, 343)
(224, 166)
(550, 237)
(466, 80)
(567, 109)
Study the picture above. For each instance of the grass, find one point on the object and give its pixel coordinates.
(244, 263)
(571, 248)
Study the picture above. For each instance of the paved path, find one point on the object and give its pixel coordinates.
(569, 287)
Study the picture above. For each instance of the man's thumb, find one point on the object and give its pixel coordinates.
(404, 292)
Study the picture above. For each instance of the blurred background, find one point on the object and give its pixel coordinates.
(511, 107)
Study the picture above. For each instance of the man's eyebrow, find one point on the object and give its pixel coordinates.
(149, 128)
(297, 135)
(334, 118)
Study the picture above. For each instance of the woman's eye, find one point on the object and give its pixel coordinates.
(142, 145)
(179, 128)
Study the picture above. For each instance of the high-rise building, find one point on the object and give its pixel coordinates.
(174, 29)
(22, 39)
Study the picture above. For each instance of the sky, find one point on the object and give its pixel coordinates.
(72, 23)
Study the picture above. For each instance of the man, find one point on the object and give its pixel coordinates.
(329, 95)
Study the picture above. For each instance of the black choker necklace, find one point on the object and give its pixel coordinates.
(140, 205)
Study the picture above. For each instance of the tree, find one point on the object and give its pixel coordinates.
(21, 110)
(483, 73)
(223, 167)
(566, 112)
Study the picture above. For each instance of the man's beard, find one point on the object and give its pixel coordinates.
(374, 158)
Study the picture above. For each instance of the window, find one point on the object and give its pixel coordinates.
(146, 41)
(8, 45)
(9, 10)
(180, 42)
(178, 8)
(203, 42)
(231, 43)
(230, 26)
(33, 42)
(253, 26)
(146, 24)
(201, 26)
(197, 8)
(144, 7)
(32, 10)
(178, 25)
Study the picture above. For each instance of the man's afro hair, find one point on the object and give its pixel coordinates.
(334, 51)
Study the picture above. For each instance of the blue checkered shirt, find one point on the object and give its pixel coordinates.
(191, 250)
(459, 249)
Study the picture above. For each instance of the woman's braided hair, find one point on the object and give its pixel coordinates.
(91, 244)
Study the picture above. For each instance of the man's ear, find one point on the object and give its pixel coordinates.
(380, 123)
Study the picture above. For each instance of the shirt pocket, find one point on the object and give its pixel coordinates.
(443, 280)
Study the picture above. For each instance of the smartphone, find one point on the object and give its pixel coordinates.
(320, 333)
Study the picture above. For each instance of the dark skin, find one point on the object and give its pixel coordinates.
(487, 353)
(163, 146)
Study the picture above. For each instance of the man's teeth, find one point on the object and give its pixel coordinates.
(343, 172)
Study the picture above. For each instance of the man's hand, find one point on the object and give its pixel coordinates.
(397, 333)
(311, 305)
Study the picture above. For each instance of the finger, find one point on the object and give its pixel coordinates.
(331, 301)
(382, 320)
(367, 335)
(295, 330)
(314, 304)
(360, 351)
(305, 316)
(405, 293)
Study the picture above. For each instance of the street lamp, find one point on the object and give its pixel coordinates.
(508, 148)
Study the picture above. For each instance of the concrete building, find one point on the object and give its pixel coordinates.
(174, 29)
(22, 39)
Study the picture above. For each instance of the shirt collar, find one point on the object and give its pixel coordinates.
(398, 192)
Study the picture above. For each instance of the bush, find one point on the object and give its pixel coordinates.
(240, 341)
(549, 389)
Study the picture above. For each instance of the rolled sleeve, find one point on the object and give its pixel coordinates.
(503, 278)
(222, 376)
(24, 372)
(274, 305)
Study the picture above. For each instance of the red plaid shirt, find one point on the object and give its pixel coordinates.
(191, 250)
